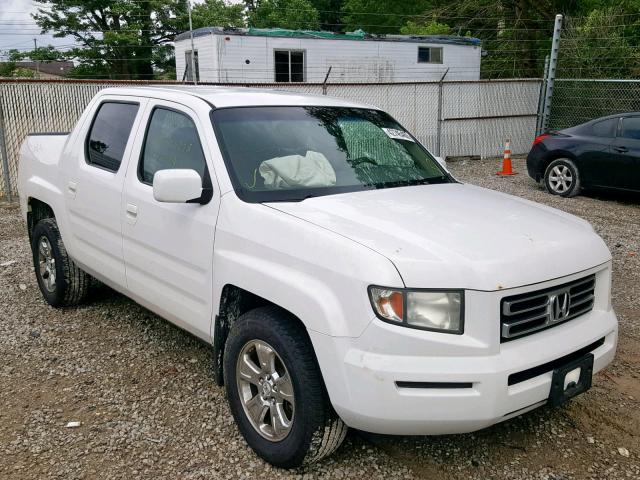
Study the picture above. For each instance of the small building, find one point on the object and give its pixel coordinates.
(276, 55)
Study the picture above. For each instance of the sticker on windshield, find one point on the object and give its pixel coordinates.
(397, 134)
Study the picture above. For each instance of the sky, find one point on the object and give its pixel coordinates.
(17, 28)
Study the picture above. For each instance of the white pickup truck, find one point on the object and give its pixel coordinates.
(342, 276)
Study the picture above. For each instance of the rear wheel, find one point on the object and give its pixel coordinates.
(275, 390)
(562, 178)
(61, 281)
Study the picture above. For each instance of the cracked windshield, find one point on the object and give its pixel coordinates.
(293, 153)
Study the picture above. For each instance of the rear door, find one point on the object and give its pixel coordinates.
(93, 184)
(625, 152)
(168, 247)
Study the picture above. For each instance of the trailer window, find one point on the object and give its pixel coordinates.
(429, 54)
(289, 65)
(109, 134)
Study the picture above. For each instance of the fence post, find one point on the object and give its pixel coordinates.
(439, 124)
(542, 96)
(5, 159)
(324, 84)
(551, 74)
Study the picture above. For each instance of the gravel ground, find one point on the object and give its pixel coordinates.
(143, 390)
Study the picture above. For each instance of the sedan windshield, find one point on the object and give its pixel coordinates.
(293, 153)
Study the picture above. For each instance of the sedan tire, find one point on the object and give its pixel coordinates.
(562, 178)
(276, 392)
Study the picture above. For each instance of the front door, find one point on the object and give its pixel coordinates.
(168, 247)
(625, 152)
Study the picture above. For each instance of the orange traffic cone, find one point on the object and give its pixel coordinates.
(506, 161)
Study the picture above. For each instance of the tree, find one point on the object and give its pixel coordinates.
(217, 13)
(604, 44)
(293, 14)
(381, 16)
(329, 14)
(431, 28)
(122, 39)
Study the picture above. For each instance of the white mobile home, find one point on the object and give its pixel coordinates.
(276, 55)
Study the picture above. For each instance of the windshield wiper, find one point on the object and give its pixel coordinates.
(292, 199)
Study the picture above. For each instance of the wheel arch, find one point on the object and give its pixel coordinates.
(37, 210)
(555, 155)
(234, 302)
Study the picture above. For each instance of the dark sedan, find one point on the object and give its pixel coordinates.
(602, 153)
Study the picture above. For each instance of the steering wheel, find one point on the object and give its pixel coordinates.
(363, 159)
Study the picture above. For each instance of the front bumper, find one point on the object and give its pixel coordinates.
(362, 374)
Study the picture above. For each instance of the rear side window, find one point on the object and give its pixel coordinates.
(172, 141)
(109, 134)
(631, 127)
(605, 128)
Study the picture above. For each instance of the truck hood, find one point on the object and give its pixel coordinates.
(459, 236)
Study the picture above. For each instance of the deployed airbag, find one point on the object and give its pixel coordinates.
(311, 170)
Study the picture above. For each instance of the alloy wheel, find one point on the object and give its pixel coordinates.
(560, 179)
(265, 390)
(46, 264)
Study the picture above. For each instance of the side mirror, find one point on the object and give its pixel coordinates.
(177, 186)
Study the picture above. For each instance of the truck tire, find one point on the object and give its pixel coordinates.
(562, 178)
(275, 390)
(61, 281)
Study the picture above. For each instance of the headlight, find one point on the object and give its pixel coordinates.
(441, 311)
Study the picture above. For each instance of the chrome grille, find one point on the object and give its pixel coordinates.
(532, 311)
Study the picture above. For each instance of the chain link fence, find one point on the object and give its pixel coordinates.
(578, 101)
(471, 118)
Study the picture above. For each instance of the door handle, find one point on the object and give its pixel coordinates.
(132, 213)
(621, 149)
(72, 188)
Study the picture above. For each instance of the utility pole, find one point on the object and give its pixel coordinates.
(193, 51)
(35, 46)
(551, 73)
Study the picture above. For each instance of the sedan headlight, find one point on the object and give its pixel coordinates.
(441, 310)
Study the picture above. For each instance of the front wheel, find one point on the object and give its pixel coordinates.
(275, 390)
(562, 178)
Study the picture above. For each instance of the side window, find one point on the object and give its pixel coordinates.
(429, 54)
(605, 128)
(631, 128)
(109, 134)
(171, 142)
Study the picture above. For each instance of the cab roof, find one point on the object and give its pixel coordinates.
(221, 97)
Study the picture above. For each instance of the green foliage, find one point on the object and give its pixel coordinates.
(7, 69)
(23, 73)
(431, 28)
(604, 44)
(40, 54)
(381, 16)
(115, 38)
(217, 13)
(329, 14)
(11, 70)
(293, 14)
